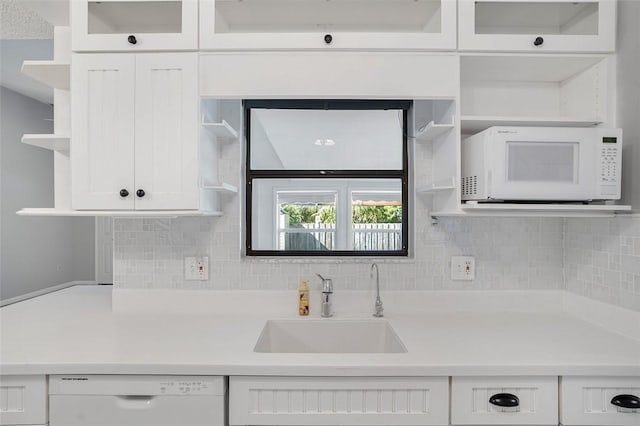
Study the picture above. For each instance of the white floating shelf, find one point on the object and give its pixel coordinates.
(432, 131)
(533, 210)
(546, 207)
(52, 142)
(117, 213)
(53, 74)
(439, 186)
(477, 123)
(222, 187)
(222, 130)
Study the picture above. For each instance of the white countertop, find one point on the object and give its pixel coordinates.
(75, 331)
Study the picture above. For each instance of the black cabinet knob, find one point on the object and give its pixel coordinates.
(626, 401)
(328, 38)
(140, 193)
(132, 39)
(504, 400)
(124, 193)
(538, 41)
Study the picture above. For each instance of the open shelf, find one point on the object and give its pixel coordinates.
(221, 187)
(51, 142)
(53, 74)
(511, 67)
(116, 213)
(223, 130)
(534, 210)
(432, 131)
(534, 90)
(442, 185)
(477, 123)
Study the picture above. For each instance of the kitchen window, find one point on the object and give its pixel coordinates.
(326, 177)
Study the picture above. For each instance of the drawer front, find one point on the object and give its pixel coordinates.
(338, 401)
(23, 400)
(588, 401)
(537, 401)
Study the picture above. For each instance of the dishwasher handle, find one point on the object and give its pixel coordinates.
(135, 402)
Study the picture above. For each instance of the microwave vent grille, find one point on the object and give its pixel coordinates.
(470, 185)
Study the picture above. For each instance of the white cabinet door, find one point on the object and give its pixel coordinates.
(102, 131)
(338, 401)
(325, 25)
(589, 400)
(23, 400)
(539, 26)
(504, 400)
(166, 131)
(134, 25)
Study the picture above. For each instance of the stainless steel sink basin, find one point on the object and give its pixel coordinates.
(329, 336)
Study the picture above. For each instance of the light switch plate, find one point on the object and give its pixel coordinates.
(463, 268)
(196, 268)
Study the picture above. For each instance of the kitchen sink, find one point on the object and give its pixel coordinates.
(329, 336)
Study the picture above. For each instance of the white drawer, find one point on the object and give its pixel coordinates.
(588, 401)
(537, 399)
(23, 400)
(338, 400)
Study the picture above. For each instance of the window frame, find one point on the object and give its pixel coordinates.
(335, 104)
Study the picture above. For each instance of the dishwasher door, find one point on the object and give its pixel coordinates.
(97, 400)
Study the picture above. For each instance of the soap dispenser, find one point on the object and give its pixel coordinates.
(303, 298)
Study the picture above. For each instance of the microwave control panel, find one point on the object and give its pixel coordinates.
(609, 161)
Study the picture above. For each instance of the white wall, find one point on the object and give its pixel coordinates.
(629, 97)
(35, 252)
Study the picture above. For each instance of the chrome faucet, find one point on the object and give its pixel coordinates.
(327, 291)
(379, 309)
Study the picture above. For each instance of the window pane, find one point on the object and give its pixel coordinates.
(321, 215)
(296, 139)
(306, 220)
(376, 220)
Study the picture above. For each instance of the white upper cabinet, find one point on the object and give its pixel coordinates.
(102, 131)
(537, 25)
(322, 24)
(134, 25)
(134, 137)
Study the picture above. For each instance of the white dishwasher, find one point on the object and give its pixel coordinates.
(127, 400)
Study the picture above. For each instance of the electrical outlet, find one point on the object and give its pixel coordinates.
(196, 268)
(463, 268)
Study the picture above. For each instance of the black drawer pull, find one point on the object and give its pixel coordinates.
(538, 41)
(626, 401)
(504, 400)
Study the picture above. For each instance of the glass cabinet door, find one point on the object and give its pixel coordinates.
(134, 25)
(537, 25)
(322, 24)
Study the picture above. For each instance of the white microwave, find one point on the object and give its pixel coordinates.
(551, 164)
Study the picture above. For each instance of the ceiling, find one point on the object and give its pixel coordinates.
(26, 33)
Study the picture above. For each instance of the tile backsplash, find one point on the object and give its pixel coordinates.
(597, 258)
(510, 254)
(602, 259)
